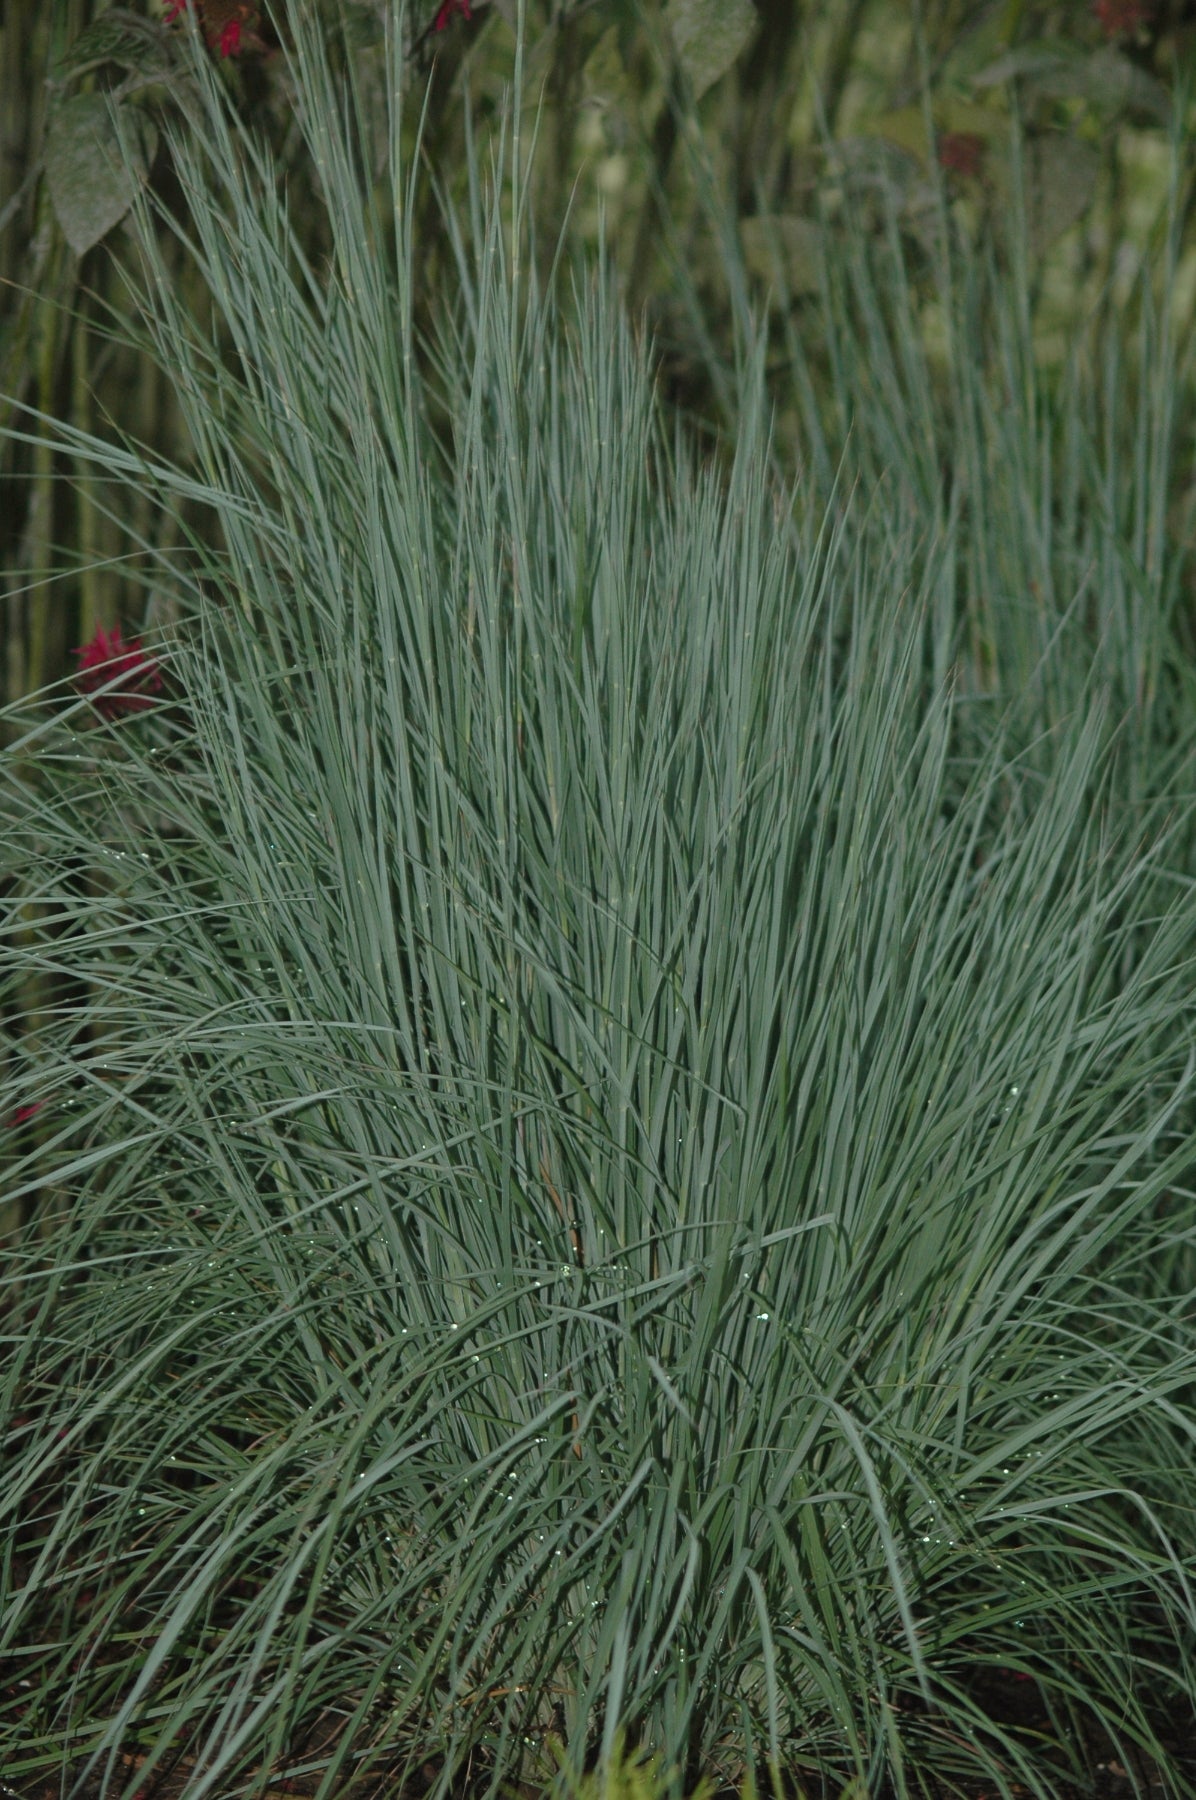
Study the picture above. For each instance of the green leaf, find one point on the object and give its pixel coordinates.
(905, 126)
(604, 74)
(1110, 82)
(120, 37)
(1036, 59)
(1062, 173)
(1105, 78)
(709, 34)
(93, 178)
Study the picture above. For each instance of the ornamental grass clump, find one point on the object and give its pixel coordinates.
(614, 1134)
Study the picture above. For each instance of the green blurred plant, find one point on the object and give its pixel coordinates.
(635, 1775)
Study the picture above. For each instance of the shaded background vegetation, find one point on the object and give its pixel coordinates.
(762, 122)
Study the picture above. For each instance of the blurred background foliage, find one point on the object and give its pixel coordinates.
(690, 129)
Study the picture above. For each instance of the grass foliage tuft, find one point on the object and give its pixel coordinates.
(615, 1097)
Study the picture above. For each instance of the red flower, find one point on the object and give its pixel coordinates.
(447, 9)
(227, 38)
(961, 151)
(1118, 18)
(25, 1112)
(106, 659)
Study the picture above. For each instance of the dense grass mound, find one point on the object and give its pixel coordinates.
(615, 1100)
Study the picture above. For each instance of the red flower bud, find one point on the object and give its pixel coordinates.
(961, 151)
(447, 9)
(106, 658)
(1119, 18)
